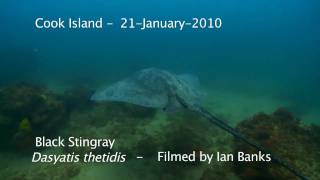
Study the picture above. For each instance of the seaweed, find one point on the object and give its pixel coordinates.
(285, 136)
(65, 171)
(27, 111)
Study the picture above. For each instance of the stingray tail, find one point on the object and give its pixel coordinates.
(212, 118)
(218, 122)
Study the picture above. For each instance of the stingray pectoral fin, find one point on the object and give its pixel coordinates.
(171, 108)
(130, 92)
(173, 104)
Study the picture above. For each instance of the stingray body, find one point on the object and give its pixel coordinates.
(157, 88)
(153, 88)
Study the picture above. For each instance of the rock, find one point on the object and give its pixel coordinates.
(27, 111)
(286, 137)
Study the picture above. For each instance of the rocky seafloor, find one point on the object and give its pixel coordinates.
(27, 111)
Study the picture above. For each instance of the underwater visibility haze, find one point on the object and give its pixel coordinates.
(259, 73)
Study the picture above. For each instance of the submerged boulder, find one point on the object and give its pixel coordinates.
(27, 111)
(286, 137)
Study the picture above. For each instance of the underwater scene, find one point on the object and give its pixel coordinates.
(245, 78)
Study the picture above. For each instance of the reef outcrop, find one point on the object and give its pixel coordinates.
(285, 136)
(27, 111)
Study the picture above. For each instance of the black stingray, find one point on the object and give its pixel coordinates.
(161, 89)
